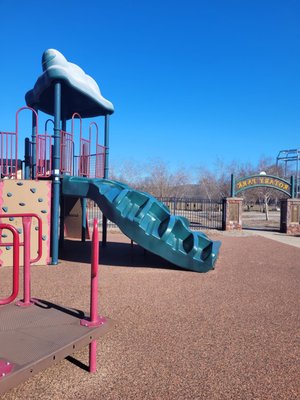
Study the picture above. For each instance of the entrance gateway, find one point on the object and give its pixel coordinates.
(289, 207)
(253, 181)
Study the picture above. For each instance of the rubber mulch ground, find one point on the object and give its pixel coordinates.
(232, 333)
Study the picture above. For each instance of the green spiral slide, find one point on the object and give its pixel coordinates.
(147, 222)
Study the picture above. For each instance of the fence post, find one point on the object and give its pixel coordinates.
(292, 186)
(232, 189)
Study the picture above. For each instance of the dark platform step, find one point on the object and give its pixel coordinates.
(33, 338)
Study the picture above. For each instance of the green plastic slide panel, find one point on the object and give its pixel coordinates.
(148, 222)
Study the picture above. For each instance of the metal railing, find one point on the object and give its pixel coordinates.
(8, 154)
(16, 244)
(44, 156)
(86, 164)
(66, 152)
(202, 213)
(16, 264)
(38, 159)
(44, 153)
(90, 166)
(94, 212)
(38, 153)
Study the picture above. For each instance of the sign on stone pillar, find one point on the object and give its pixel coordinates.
(232, 213)
(290, 216)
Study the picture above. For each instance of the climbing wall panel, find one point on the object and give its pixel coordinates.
(25, 196)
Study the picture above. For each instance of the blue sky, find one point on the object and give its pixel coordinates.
(192, 81)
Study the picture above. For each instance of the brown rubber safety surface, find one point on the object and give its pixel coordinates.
(33, 338)
(231, 333)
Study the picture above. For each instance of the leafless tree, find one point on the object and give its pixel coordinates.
(156, 177)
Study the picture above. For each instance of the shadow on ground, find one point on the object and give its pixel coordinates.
(260, 228)
(114, 254)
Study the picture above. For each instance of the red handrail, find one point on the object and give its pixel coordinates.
(9, 154)
(9, 146)
(75, 114)
(66, 152)
(35, 124)
(90, 132)
(26, 220)
(44, 153)
(99, 153)
(84, 154)
(40, 233)
(26, 256)
(16, 264)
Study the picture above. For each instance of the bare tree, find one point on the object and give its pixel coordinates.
(157, 181)
(267, 194)
(128, 172)
(157, 178)
(180, 181)
(208, 184)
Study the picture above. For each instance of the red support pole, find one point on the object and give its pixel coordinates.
(94, 274)
(26, 234)
(93, 356)
(95, 319)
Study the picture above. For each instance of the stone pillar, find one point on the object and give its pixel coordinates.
(290, 216)
(232, 213)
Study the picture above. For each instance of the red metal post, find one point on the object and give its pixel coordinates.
(95, 319)
(26, 233)
(94, 274)
(93, 356)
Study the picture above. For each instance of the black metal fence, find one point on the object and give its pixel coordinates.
(202, 213)
(93, 211)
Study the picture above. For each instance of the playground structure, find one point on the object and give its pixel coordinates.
(37, 194)
(66, 92)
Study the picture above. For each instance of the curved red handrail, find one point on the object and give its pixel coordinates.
(40, 233)
(16, 263)
(44, 152)
(9, 146)
(80, 122)
(36, 118)
(46, 125)
(90, 132)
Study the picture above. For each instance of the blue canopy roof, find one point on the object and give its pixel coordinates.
(80, 92)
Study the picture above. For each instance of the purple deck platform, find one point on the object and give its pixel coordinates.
(33, 338)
